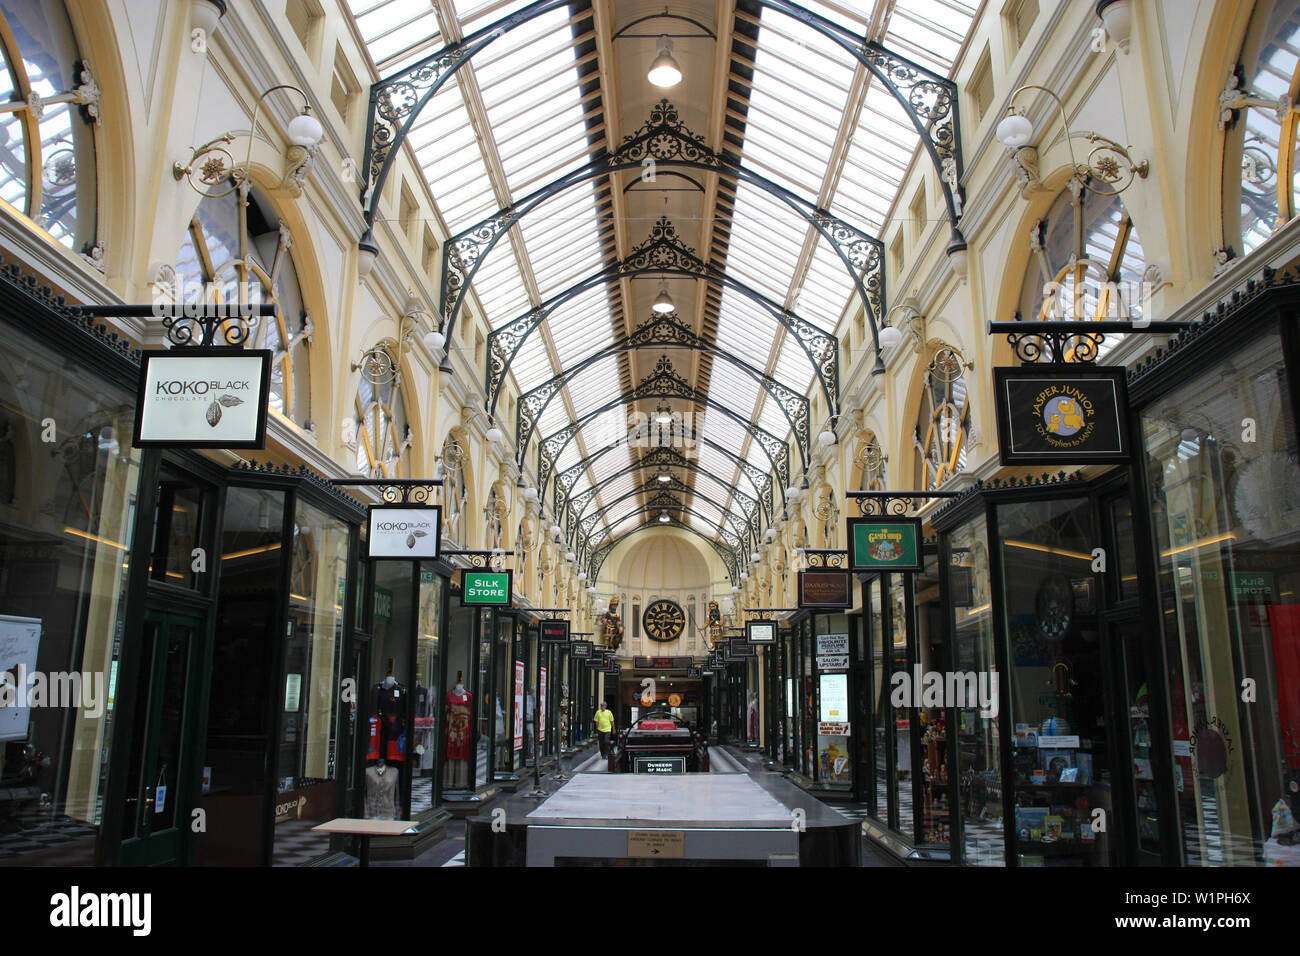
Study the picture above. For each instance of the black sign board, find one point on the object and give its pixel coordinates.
(554, 632)
(202, 397)
(693, 672)
(613, 671)
(961, 582)
(659, 765)
(760, 632)
(740, 648)
(824, 589)
(581, 649)
(1062, 414)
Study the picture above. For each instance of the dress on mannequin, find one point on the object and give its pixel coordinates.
(460, 705)
(381, 792)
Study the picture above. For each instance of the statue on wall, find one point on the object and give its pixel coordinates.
(713, 624)
(611, 625)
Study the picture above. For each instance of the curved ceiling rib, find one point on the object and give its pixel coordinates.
(498, 102)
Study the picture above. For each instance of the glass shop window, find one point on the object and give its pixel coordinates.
(1227, 516)
(387, 700)
(66, 512)
(979, 761)
(459, 700)
(1060, 742)
(309, 752)
(426, 694)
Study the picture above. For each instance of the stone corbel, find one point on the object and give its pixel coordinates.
(1026, 169)
(298, 163)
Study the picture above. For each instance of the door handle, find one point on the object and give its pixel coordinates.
(145, 807)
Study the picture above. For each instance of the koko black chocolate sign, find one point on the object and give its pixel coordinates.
(1061, 415)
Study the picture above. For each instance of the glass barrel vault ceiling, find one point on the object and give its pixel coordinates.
(534, 105)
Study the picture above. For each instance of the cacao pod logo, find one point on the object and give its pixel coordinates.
(410, 538)
(213, 414)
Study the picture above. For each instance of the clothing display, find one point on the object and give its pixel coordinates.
(460, 708)
(381, 792)
(390, 709)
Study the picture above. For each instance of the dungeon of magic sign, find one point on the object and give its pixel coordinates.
(1061, 415)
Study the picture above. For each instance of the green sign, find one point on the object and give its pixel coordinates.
(1256, 586)
(485, 589)
(383, 606)
(885, 544)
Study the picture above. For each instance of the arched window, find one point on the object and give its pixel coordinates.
(1086, 261)
(47, 149)
(383, 436)
(943, 421)
(232, 241)
(1261, 190)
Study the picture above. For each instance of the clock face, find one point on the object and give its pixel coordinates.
(663, 620)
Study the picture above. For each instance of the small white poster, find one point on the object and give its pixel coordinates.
(20, 640)
(191, 397)
(832, 644)
(405, 532)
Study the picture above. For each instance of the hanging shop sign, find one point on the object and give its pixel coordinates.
(659, 765)
(822, 589)
(486, 588)
(203, 398)
(885, 544)
(404, 531)
(554, 632)
(740, 649)
(581, 649)
(760, 632)
(1062, 415)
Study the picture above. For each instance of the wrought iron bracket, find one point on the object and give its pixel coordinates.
(1072, 342)
(897, 503)
(412, 491)
(206, 322)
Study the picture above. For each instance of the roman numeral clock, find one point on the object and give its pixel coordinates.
(663, 621)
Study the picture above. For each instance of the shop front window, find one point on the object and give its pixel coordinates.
(309, 754)
(833, 765)
(881, 670)
(1062, 767)
(979, 761)
(248, 627)
(388, 699)
(901, 718)
(459, 703)
(425, 723)
(483, 692)
(65, 540)
(502, 695)
(1226, 512)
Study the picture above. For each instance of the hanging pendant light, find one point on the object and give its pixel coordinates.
(664, 517)
(664, 71)
(663, 303)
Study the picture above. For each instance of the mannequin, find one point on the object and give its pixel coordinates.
(387, 748)
(752, 717)
(530, 711)
(460, 705)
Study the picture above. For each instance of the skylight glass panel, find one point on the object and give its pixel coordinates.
(590, 387)
(476, 14)
(532, 364)
(499, 287)
(390, 28)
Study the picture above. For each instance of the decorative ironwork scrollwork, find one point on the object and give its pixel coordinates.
(814, 558)
(1053, 347)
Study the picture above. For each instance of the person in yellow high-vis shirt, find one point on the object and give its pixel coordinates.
(604, 727)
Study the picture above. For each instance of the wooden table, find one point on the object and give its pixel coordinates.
(366, 829)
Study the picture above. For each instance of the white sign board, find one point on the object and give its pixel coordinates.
(403, 531)
(832, 644)
(20, 639)
(203, 398)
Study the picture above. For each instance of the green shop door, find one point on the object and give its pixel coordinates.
(160, 798)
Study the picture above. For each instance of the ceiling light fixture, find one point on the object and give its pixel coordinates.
(663, 303)
(664, 517)
(664, 71)
(665, 476)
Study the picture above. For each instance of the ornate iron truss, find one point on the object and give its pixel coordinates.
(728, 557)
(659, 331)
(663, 382)
(930, 101)
(577, 505)
(586, 524)
(665, 140)
(667, 457)
(663, 253)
